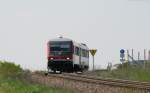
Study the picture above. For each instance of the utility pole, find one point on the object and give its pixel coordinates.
(144, 57)
(127, 55)
(132, 55)
(138, 56)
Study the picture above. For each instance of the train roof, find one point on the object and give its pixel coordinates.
(61, 39)
(81, 45)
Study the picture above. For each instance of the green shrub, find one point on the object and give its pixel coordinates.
(129, 72)
(13, 80)
(8, 69)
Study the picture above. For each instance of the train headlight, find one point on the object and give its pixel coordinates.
(52, 58)
(68, 58)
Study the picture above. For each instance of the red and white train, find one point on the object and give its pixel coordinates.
(65, 55)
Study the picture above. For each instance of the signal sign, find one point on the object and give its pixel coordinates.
(122, 51)
(93, 51)
(122, 55)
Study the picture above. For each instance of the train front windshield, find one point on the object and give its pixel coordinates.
(60, 48)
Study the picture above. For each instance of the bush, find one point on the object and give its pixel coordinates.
(129, 72)
(13, 79)
(132, 73)
(8, 69)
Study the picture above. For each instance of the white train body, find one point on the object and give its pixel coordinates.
(67, 56)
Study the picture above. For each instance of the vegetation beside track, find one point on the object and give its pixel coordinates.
(126, 71)
(12, 80)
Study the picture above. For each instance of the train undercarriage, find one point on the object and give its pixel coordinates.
(65, 66)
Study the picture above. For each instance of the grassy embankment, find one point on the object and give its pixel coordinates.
(12, 81)
(129, 72)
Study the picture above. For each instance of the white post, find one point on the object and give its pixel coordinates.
(138, 56)
(132, 55)
(93, 64)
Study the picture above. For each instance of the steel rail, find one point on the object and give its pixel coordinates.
(112, 82)
(111, 79)
(102, 81)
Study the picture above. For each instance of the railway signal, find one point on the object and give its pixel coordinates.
(93, 52)
(122, 55)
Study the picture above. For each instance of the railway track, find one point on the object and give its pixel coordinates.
(100, 81)
(109, 81)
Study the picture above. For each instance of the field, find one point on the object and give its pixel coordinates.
(12, 81)
(126, 71)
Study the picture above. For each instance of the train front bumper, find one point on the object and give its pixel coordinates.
(64, 66)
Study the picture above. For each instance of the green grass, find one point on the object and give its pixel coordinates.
(17, 86)
(12, 81)
(128, 72)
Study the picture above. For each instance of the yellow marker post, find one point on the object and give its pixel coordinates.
(93, 52)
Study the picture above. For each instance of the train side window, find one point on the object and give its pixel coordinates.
(84, 53)
(76, 50)
(87, 53)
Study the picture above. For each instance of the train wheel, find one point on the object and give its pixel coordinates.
(46, 73)
(54, 71)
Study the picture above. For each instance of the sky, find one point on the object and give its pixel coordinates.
(106, 25)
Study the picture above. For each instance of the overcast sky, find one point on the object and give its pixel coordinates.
(107, 25)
